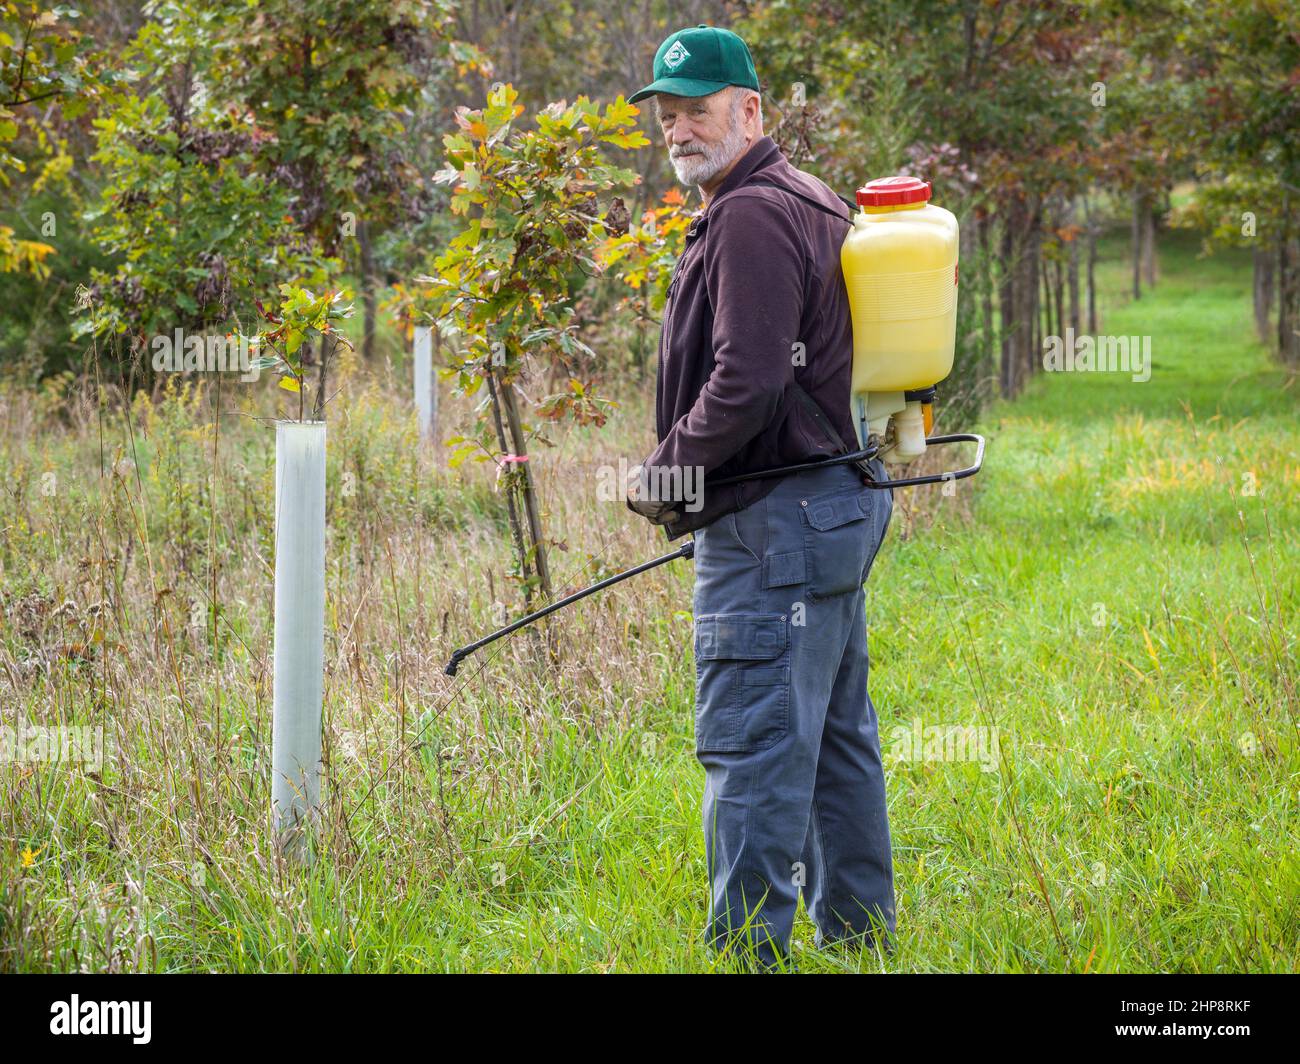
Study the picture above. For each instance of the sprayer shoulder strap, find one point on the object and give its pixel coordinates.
(828, 431)
(808, 199)
(819, 418)
(810, 405)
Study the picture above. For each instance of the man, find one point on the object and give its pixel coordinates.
(754, 371)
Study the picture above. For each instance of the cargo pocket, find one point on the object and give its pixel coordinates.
(836, 539)
(742, 682)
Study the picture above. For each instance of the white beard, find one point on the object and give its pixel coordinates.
(708, 162)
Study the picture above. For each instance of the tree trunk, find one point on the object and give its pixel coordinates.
(1030, 334)
(1058, 295)
(1072, 272)
(1058, 291)
(367, 265)
(1149, 265)
(1052, 294)
(1137, 246)
(1033, 361)
(986, 292)
(1285, 277)
(322, 380)
(1263, 293)
(1283, 302)
(515, 530)
(531, 510)
(1007, 377)
(1029, 286)
(1288, 293)
(1092, 267)
(970, 340)
(1045, 300)
(1291, 347)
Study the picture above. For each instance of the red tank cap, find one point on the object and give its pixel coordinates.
(888, 191)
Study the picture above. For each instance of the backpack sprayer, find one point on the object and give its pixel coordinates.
(899, 262)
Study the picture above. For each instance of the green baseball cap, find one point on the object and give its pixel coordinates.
(699, 62)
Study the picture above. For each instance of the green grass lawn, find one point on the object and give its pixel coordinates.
(1115, 594)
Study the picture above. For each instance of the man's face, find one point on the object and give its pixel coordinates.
(704, 134)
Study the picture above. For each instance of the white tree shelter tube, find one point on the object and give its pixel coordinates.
(299, 628)
(426, 390)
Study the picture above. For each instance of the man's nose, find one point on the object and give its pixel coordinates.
(682, 133)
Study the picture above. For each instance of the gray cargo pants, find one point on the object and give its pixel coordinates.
(794, 792)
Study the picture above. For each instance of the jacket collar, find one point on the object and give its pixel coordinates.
(763, 152)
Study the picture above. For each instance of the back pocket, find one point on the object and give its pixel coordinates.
(742, 682)
(836, 538)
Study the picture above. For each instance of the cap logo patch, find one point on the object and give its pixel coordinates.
(676, 55)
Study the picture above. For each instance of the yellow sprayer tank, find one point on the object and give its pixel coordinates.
(900, 269)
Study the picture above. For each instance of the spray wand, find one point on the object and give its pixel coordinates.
(687, 549)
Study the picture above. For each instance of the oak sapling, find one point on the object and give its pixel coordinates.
(304, 320)
(509, 280)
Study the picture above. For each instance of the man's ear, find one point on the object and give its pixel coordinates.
(753, 111)
(750, 112)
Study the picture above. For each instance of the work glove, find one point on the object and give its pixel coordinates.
(657, 512)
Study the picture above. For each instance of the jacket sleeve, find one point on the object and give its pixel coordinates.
(754, 271)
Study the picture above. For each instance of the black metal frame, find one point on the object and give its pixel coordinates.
(939, 478)
(871, 451)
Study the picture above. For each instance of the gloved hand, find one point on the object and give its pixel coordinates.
(657, 512)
